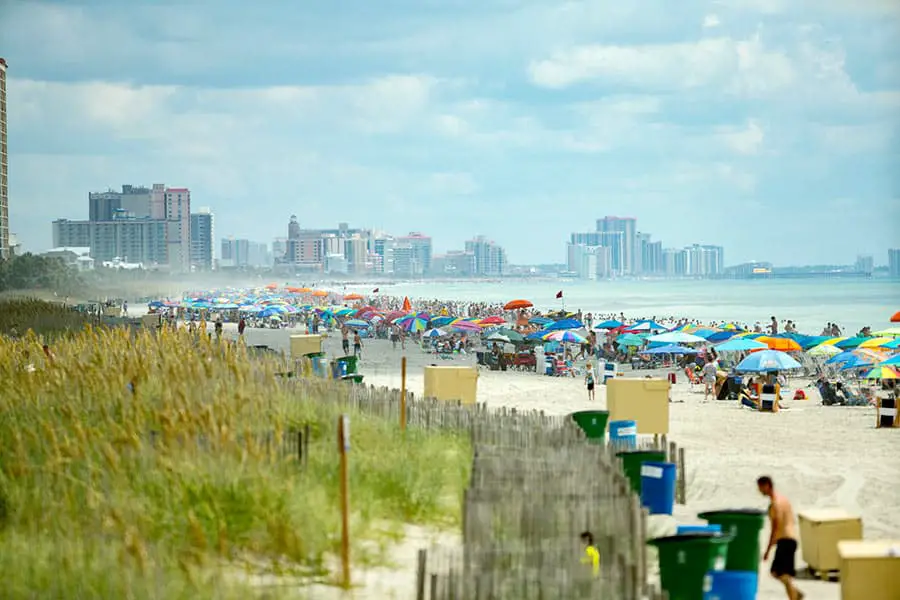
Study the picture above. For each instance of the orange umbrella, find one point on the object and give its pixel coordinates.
(407, 305)
(781, 344)
(517, 304)
(353, 297)
(320, 293)
(896, 317)
(272, 286)
(293, 290)
(304, 290)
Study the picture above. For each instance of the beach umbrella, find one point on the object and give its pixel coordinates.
(670, 349)
(740, 345)
(889, 332)
(629, 341)
(434, 333)
(540, 321)
(676, 337)
(566, 336)
(514, 336)
(811, 341)
(466, 327)
(495, 320)
(892, 345)
(610, 324)
(766, 361)
(497, 337)
(883, 373)
(517, 305)
(441, 321)
(824, 350)
(272, 286)
(840, 358)
(344, 312)
(851, 343)
(353, 297)
(876, 342)
(779, 343)
(563, 324)
(356, 323)
(407, 305)
(414, 324)
(721, 336)
(896, 317)
(320, 294)
(892, 361)
(700, 331)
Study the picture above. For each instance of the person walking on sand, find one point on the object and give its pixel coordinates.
(783, 537)
(357, 344)
(589, 380)
(710, 371)
(591, 554)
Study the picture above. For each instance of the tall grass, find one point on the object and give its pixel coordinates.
(137, 465)
(49, 319)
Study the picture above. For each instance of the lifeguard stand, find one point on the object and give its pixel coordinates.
(768, 397)
(886, 410)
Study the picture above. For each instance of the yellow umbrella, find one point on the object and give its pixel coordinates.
(890, 331)
(833, 341)
(876, 342)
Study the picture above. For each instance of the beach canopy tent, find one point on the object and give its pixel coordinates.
(670, 349)
(676, 337)
(517, 305)
(767, 361)
(610, 324)
(564, 324)
(741, 345)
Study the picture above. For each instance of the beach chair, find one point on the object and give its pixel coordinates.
(691, 376)
(886, 414)
(562, 369)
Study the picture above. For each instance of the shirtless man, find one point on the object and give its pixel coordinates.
(783, 537)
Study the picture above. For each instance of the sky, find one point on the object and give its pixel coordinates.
(770, 127)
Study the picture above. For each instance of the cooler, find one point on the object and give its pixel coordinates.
(820, 531)
(870, 570)
(451, 383)
(645, 401)
(304, 345)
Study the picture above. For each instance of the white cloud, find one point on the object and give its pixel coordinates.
(747, 141)
(711, 22)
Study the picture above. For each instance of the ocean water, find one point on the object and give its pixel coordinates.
(851, 303)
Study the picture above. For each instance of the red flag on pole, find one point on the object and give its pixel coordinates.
(559, 294)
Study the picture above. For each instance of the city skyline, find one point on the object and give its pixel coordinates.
(716, 122)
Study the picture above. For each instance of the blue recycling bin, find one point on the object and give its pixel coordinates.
(658, 487)
(730, 585)
(689, 529)
(623, 434)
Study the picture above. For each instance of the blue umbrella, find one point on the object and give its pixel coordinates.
(721, 336)
(611, 324)
(441, 321)
(740, 345)
(766, 361)
(356, 323)
(850, 343)
(433, 333)
(811, 341)
(892, 361)
(563, 324)
(670, 349)
(841, 358)
(857, 362)
(540, 321)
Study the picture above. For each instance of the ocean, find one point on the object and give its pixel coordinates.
(851, 303)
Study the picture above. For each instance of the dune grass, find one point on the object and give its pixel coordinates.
(137, 465)
(48, 319)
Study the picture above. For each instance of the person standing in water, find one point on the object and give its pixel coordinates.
(783, 537)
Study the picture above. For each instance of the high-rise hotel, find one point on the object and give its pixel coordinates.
(4, 168)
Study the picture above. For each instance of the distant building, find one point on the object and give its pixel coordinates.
(648, 255)
(4, 168)
(675, 262)
(588, 262)
(420, 252)
(133, 200)
(203, 254)
(76, 258)
(456, 263)
(490, 259)
(705, 261)
(142, 241)
(894, 262)
(749, 270)
(621, 238)
(865, 264)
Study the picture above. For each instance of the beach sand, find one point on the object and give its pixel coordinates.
(818, 456)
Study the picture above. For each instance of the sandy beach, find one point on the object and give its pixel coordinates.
(819, 456)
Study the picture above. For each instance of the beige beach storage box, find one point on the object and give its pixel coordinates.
(645, 401)
(452, 383)
(301, 345)
(870, 569)
(150, 321)
(820, 531)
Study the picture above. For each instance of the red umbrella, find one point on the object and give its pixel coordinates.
(896, 317)
(495, 320)
(517, 304)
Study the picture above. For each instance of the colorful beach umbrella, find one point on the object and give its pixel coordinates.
(767, 361)
(356, 323)
(883, 372)
(565, 336)
(779, 343)
(495, 320)
(889, 332)
(741, 345)
(434, 333)
(824, 350)
(876, 342)
(610, 324)
(353, 297)
(465, 327)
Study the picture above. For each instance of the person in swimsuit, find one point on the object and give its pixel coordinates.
(783, 537)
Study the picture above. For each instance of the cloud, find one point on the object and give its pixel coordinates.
(711, 21)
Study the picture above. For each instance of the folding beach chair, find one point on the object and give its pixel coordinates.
(768, 398)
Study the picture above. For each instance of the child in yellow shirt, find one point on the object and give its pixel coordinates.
(591, 554)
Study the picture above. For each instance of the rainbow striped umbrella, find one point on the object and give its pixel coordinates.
(883, 373)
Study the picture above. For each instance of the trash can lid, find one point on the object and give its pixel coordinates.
(689, 537)
(735, 512)
(634, 452)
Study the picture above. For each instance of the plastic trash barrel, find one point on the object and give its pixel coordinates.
(349, 363)
(623, 434)
(658, 487)
(684, 561)
(744, 526)
(730, 585)
(352, 378)
(632, 461)
(688, 529)
(317, 362)
(593, 423)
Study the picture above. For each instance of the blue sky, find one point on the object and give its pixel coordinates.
(771, 127)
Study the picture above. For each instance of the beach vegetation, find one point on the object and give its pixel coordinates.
(145, 465)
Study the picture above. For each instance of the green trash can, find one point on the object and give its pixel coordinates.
(351, 362)
(684, 561)
(352, 378)
(593, 423)
(744, 526)
(632, 461)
